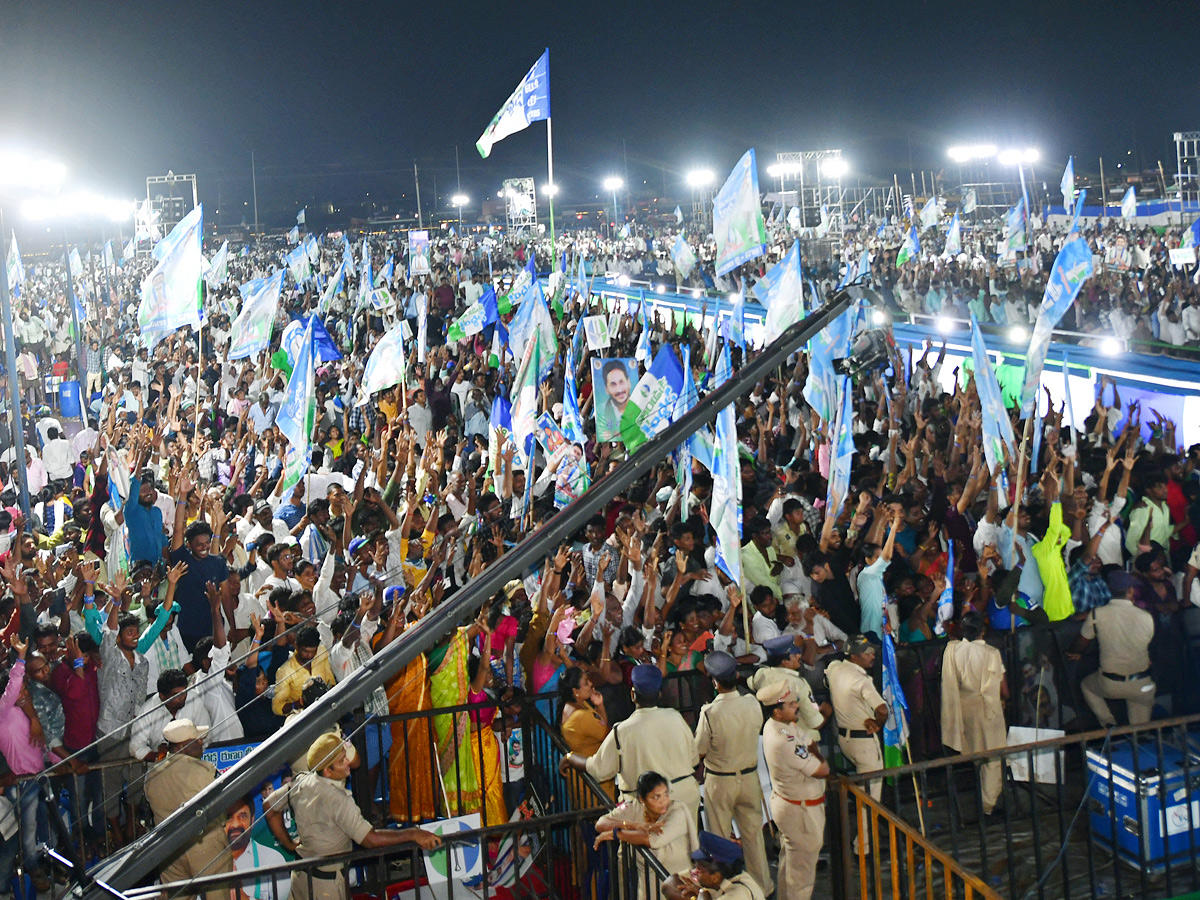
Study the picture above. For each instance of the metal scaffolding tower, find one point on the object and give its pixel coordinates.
(1187, 161)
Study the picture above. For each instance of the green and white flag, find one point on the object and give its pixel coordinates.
(171, 292)
(529, 103)
(298, 414)
(251, 330)
(218, 267)
(536, 358)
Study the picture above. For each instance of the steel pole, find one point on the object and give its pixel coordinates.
(14, 393)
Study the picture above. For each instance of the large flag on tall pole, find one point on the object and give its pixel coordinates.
(738, 226)
(297, 415)
(1072, 267)
(726, 513)
(1067, 185)
(529, 103)
(171, 292)
(251, 330)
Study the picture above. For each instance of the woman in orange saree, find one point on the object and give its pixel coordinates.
(411, 796)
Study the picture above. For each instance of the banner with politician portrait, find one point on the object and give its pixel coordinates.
(418, 253)
(613, 381)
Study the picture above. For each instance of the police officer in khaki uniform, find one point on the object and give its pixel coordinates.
(716, 874)
(327, 820)
(784, 660)
(798, 776)
(1124, 633)
(861, 713)
(653, 739)
(727, 741)
(179, 778)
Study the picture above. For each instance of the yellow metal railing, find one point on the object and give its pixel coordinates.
(909, 859)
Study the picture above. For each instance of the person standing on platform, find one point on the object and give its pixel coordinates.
(727, 741)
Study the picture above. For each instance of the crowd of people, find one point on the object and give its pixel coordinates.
(170, 590)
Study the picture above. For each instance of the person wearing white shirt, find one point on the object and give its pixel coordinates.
(56, 456)
(173, 701)
(1191, 319)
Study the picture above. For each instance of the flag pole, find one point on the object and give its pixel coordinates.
(551, 192)
(916, 791)
(1012, 619)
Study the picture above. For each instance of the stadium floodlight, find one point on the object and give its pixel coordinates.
(1018, 157)
(785, 169)
(30, 173)
(460, 200)
(69, 206)
(834, 167)
(613, 183)
(966, 153)
(550, 190)
(698, 178)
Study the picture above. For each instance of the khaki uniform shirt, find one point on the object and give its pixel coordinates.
(790, 763)
(176, 780)
(808, 715)
(852, 693)
(328, 821)
(727, 733)
(1124, 632)
(652, 739)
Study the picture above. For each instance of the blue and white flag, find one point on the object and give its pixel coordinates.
(218, 268)
(76, 264)
(1072, 267)
(1191, 237)
(14, 267)
(907, 205)
(678, 216)
(332, 288)
(529, 103)
(572, 418)
(312, 249)
(300, 216)
(298, 264)
(832, 342)
(910, 249)
(364, 281)
(386, 365)
(1014, 229)
(725, 515)
(387, 273)
(781, 291)
(250, 332)
(929, 214)
(953, 239)
(997, 427)
(499, 429)
(737, 321)
(1067, 185)
(969, 202)
(293, 236)
(533, 319)
(652, 403)
(128, 251)
(945, 604)
(643, 351)
(478, 316)
(895, 730)
(1129, 204)
(1078, 211)
(109, 261)
(683, 453)
(171, 292)
(348, 256)
(843, 450)
(297, 414)
(683, 257)
(738, 226)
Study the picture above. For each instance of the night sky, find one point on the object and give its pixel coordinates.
(338, 99)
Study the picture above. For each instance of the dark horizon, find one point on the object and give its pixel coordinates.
(337, 102)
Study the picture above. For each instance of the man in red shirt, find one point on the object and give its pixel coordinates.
(77, 684)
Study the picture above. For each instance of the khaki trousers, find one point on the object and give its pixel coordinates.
(1138, 696)
(801, 834)
(730, 798)
(867, 757)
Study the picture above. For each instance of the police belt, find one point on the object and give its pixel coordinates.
(1134, 677)
(324, 875)
(851, 733)
(745, 771)
(817, 802)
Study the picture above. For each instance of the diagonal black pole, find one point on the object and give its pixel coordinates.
(128, 866)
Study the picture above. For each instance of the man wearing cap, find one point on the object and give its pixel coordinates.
(727, 740)
(327, 820)
(1124, 633)
(716, 874)
(861, 713)
(784, 659)
(973, 688)
(652, 739)
(797, 802)
(169, 785)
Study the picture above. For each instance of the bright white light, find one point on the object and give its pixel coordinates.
(20, 170)
(834, 167)
(661, 289)
(944, 325)
(695, 293)
(783, 169)
(1018, 157)
(460, 200)
(700, 177)
(878, 317)
(550, 190)
(973, 151)
(1110, 347)
(1017, 334)
(613, 183)
(40, 209)
(623, 280)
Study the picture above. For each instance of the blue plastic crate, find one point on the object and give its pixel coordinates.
(1146, 836)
